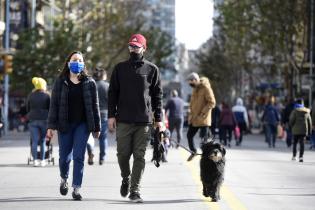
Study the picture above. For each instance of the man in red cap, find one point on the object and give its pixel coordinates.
(134, 93)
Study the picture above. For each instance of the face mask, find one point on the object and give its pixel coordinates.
(192, 85)
(135, 56)
(76, 67)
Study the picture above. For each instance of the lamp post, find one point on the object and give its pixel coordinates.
(6, 76)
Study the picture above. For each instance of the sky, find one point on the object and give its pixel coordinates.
(193, 22)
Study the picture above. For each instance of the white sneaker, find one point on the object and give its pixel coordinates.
(294, 158)
(36, 163)
(42, 163)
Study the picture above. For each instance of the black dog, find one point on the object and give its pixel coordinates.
(212, 165)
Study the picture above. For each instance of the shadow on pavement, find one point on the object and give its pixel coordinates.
(109, 201)
(21, 165)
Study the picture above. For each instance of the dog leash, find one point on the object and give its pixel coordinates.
(185, 148)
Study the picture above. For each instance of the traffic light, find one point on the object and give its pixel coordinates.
(8, 63)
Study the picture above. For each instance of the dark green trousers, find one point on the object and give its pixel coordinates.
(132, 140)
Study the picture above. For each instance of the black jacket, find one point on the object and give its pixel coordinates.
(58, 112)
(134, 92)
(37, 105)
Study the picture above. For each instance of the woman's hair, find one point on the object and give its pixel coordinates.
(66, 71)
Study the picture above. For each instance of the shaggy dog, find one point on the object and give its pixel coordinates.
(212, 169)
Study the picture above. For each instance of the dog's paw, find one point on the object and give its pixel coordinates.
(214, 199)
(206, 194)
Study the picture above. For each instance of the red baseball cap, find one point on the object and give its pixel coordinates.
(138, 40)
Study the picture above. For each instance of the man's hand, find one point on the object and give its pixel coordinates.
(160, 126)
(50, 133)
(111, 124)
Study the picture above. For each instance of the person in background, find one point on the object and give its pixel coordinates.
(227, 123)
(241, 117)
(313, 127)
(201, 104)
(215, 118)
(270, 120)
(301, 124)
(74, 112)
(285, 120)
(37, 107)
(175, 109)
(102, 86)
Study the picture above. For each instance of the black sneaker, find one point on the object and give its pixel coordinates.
(191, 156)
(135, 197)
(64, 188)
(124, 188)
(101, 162)
(90, 159)
(301, 159)
(76, 196)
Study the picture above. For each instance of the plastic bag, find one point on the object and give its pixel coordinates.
(237, 132)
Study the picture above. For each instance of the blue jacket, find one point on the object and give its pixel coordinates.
(270, 115)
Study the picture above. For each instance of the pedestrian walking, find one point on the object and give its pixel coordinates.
(285, 121)
(227, 123)
(175, 109)
(215, 118)
(313, 127)
(241, 117)
(301, 123)
(37, 107)
(102, 86)
(270, 119)
(74, 113)
(134, 93)
(201, 103)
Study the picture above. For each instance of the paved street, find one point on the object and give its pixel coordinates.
(256, 178)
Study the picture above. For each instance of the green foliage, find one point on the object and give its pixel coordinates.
(43, 53)
(100, 29)
(256, 35)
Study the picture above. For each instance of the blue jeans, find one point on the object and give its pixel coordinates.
(313, 139)
(38, 132)
(102, 140)
(177, 124)
(72, 144)
(271, 132)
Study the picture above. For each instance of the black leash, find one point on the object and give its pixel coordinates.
(210, 139)
(185, 148)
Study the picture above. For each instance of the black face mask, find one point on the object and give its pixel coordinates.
(135, 56)
(192, 85)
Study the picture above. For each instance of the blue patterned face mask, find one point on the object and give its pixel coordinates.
(75, 66)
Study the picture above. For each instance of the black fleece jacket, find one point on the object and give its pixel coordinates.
(134, 92)
(58, 116)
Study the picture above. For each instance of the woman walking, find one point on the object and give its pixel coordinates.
(37, 107)
(74, 113)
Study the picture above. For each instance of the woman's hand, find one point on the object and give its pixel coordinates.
(50, 133)
(96, 134)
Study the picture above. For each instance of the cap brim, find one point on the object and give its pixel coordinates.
(136, 44)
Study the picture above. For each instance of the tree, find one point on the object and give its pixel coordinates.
(100, 29)
(264, 34)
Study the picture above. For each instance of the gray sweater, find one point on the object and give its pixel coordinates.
(102, 89)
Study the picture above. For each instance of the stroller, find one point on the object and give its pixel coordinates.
(48, 153)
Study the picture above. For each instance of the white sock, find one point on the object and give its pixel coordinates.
(63, 180)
